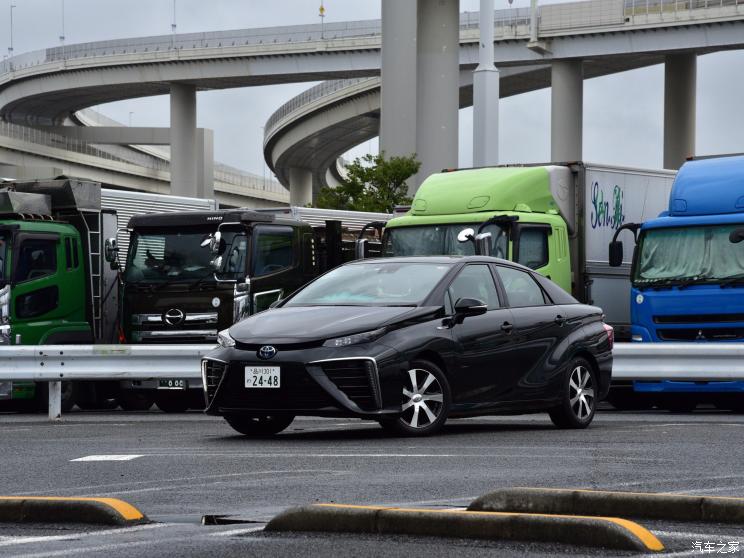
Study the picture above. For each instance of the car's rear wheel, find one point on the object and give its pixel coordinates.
(579, 401)
(426, 401)
(259, 425)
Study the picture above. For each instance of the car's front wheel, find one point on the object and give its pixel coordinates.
(579, 400)
(426, 401)
(259, 425)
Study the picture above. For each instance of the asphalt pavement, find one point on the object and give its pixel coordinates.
(179, 468)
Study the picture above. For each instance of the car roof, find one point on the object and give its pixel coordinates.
(441, 260)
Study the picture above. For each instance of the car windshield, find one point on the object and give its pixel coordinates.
(180, 257)
(437, 240)
(702, 253)
(4, 242)
(373, 284)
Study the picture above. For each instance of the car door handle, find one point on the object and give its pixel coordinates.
(560, 320)
(506, 327)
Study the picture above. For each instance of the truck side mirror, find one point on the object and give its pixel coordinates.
(483, 244)
(736, 236)
(111, 252)
(215, 243)
(360, 248)
(616, 253)
(466, 235)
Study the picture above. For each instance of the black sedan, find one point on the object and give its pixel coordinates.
(410, 342)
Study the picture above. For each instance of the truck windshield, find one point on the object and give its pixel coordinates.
(695, 254)
(4, 243)
(180, 257)
(438, 240)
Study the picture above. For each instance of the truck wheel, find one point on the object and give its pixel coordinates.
(425, 403)
(579, 400)
(259, 425)
(172, 403)
(131, 400)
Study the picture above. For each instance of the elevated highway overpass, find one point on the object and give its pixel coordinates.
(581, 39)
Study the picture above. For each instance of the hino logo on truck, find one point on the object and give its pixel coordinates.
(174, 317)
(216, 218)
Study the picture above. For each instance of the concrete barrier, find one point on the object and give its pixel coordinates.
(49, 509)
(604, 532)
(674, 507)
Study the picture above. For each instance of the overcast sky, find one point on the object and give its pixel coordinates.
(622, 113)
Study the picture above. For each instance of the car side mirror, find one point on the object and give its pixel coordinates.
(465, 307)
(736, 236)
(616, 253)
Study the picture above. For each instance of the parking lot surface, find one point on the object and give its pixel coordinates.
(179, 468)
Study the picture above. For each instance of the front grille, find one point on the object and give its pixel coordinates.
(357, 379)
(278, 346)
(699, 318)
(297, 391)
(212, 372)
(702, 334)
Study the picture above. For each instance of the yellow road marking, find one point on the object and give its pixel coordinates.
(643, 534)
(124, 509)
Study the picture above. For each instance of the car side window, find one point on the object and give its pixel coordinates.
(273, 250)
(37, 258)
(533, 247)
(474, 281)
(521, 289)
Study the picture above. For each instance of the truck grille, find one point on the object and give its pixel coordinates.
(357, 379)
(702, 334)
(699, 318)
(212, 372)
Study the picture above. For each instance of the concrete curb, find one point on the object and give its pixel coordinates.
(49, 509)
(627, 504)
(602, 532)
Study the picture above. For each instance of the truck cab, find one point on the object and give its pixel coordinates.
(191, 274)
(688, 274)
(518, 206)
(55, 288)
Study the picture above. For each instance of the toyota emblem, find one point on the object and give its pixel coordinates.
(266, 352)
(174, 316)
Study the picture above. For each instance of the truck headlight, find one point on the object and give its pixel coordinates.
(355, 339)
(224, 339)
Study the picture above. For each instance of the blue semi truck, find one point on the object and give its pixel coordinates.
(687, 279)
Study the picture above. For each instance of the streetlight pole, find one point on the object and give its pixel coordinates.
(10, 48)
(62, 36)
(486, 82)
(321, 13)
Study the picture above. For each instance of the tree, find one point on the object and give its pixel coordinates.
(373, 183)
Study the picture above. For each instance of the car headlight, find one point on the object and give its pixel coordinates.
(224, 339)
(355, 339)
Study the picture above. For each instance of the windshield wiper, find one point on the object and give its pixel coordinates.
(201, 280)
(732, 280)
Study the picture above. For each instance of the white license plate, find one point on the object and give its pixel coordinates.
(262, 377)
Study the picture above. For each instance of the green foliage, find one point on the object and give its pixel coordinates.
(373, 183)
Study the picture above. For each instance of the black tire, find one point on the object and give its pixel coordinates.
(172, 403)
(88, 398)
(425, 388)
(579, 401)
(259, 425)
(132, 400)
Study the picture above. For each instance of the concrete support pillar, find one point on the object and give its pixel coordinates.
(300, 186)
(55, 400)
(205, 163)
(438, 77)
(183, 140)
(680, 84)
(566, 111)
(486, 95)
(398, 91)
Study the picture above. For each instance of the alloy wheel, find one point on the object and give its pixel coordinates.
(423, 399)
(581, 392)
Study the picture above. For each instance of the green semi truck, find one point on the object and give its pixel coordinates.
(55, 285)
(557, 219)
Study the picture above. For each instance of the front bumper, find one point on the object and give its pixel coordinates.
(362, 381)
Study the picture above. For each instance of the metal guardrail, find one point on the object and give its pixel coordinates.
(54, 363)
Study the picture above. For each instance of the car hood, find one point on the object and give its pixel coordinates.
(301, 324)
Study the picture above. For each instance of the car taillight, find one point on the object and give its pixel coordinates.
(610, 334)
(122, 337)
